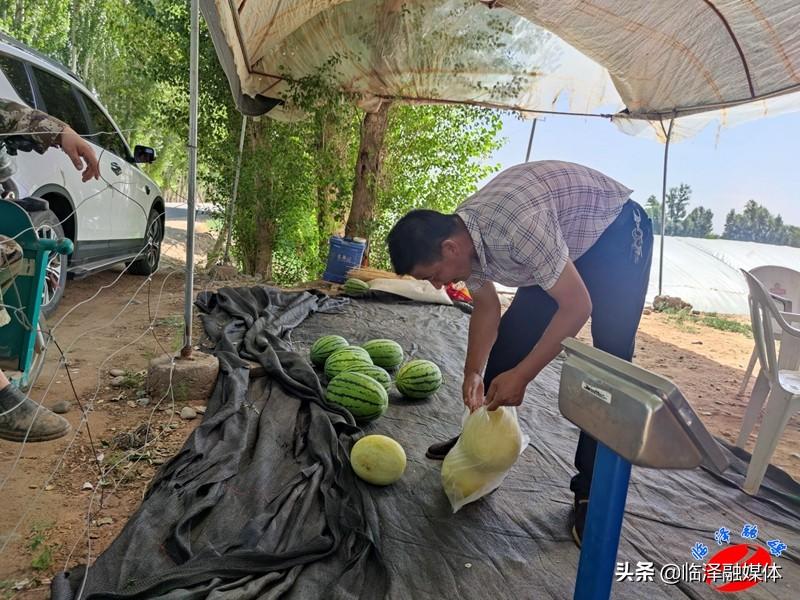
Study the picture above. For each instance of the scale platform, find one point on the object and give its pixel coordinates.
(641, 416)
(637, 417)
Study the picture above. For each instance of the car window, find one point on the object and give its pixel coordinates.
(60, 100)
(103, 132)
(14, 70)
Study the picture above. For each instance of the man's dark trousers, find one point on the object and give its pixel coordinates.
(617, 285)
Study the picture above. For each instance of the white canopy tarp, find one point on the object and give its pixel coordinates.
(645, 61)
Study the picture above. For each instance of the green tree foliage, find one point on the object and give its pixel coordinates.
(756, 224)
(274, 221)
(332, 121)
(677, 201)
(435, 157)
(297, 175)
(653, 208)
(697, 223)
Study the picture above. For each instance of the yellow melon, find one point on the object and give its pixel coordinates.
(378, 459)
(492, 438)
(459, 479)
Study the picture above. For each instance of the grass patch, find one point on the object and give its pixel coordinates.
(44, 560)
(42, 551)
(6, 589)
(170, 321)
(682, 318)
(686, 321)
(174, 322)
(177, 339)
(215, 224)
(180, 391)
(725, 324)
(115, 457)
(133, 379)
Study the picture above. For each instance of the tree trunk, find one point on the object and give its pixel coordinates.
(265, 239)
(18, 14)
(326, 224)
(73, 31)
(368, 168)
(216, 251)
(326, 195)
(332, 148)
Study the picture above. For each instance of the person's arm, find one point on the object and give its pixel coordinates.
(574, 309)
(44, 131)
(482, 334)
(37, 127)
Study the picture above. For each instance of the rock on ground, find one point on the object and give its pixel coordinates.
(193, 379)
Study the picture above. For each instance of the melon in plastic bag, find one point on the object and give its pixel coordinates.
(493, 438)
(487, 449)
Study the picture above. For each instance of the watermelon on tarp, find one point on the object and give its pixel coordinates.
(365, 398)
(379, 374)
(345, 358)
(384, 353)
(325, 346)
(418, 379)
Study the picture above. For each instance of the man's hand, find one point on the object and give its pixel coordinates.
(507, 389)
(80, 153)
(472, 391)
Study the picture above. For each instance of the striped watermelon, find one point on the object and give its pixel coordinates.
(379, 374)
(384, 353)
(344, 359)
(355, 287)
(365, 398)
(325, 346)
(418, 379)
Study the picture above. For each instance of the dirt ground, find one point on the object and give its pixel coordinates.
(64, 501)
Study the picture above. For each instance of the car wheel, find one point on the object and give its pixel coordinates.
(149, 259)
(47, 226)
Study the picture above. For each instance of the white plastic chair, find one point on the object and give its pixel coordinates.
(783, 284)
(784, 384)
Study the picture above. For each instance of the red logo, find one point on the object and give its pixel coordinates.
(746, 566)
(778, 290)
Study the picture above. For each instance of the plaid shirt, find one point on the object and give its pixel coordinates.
(529, 219)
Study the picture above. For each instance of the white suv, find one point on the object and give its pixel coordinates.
(119, 218)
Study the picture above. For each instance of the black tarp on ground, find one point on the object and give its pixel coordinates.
(260, 503)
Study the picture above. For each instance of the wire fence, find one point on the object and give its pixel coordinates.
(108, 474)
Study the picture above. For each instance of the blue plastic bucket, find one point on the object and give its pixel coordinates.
(344, 254)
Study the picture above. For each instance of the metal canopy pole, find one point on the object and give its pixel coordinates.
(664, 207)
(232, 204)
(186, 351)
(530, 140)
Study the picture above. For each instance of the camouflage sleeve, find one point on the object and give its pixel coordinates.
(34, 125)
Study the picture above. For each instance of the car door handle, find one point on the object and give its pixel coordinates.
(116, 168)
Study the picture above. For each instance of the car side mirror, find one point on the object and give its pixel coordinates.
(144, 154)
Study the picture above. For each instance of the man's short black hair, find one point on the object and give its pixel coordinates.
(417, 238)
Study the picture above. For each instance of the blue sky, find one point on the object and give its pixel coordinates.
(725, 168)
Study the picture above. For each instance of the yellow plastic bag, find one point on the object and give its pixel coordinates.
(489, 445)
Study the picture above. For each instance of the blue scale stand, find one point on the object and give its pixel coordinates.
(638, 418)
